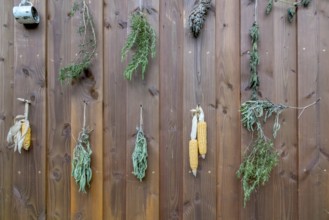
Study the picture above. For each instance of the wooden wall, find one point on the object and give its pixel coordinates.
(211, 71)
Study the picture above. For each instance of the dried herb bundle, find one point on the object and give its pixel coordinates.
(197, 16)
(257, 166)
(139, 156)
(291, 10)
(262, 158)
(254, 58)
(81, 170)
(142, 38)
(87, 47)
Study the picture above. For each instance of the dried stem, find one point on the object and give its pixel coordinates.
(305, 107)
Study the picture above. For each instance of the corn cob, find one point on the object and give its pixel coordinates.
(27, 137)
(202, 134)
(193, 147)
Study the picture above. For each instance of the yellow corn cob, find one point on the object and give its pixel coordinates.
(193, 146)
(27, 137)
(202, 134)
(193, 150)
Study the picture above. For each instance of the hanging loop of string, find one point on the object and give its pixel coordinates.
(256, 11)
(140, 5)
(141, 118)
(84, 114)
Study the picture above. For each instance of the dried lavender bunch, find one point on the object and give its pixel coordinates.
(197, 17)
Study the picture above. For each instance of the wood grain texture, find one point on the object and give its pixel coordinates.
(58, 111)
(115, 93)
(6, 106)
(199, 83)
(89, 88)
(171, 109)
(227, 105)
(312, 134)
(142, 198)
(29, 169)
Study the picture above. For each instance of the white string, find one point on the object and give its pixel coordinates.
(84, 114)
(141, 117)
(256, 10)
(140, 5)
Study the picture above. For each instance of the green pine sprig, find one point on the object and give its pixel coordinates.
(87, 47)
(142, 39)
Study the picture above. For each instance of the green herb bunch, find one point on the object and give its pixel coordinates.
(87, 46)
(261, 159)
(197, 16)
(257, 166)
(139, 156)
(291, 10)
(81, 170)
(142, 38)
(254, 58)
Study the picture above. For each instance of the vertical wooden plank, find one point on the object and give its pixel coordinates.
(58, 111)
(142, 198)
(29, 172)
(247, 19)
(115, 32)
(90, 89)
(313, 127)
(277, 71)
(227, 104)
(171, 99)
(199, 85)
(6, 105)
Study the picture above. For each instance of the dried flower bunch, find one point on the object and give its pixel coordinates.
(197, 16)
(87, 47)
(142, 39)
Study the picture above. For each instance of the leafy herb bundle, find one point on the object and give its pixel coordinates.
(142, 38)
(197, 16)
(254, 58)
(291, 10)
(81, 170)
(87, 47)
(139, 156)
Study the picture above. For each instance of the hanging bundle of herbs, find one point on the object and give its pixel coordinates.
(139, 156)
(87, 46)
(261, 157)
(81, 169)
(197, 16)
(254, 58)
(142, 39)
(291, 10)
